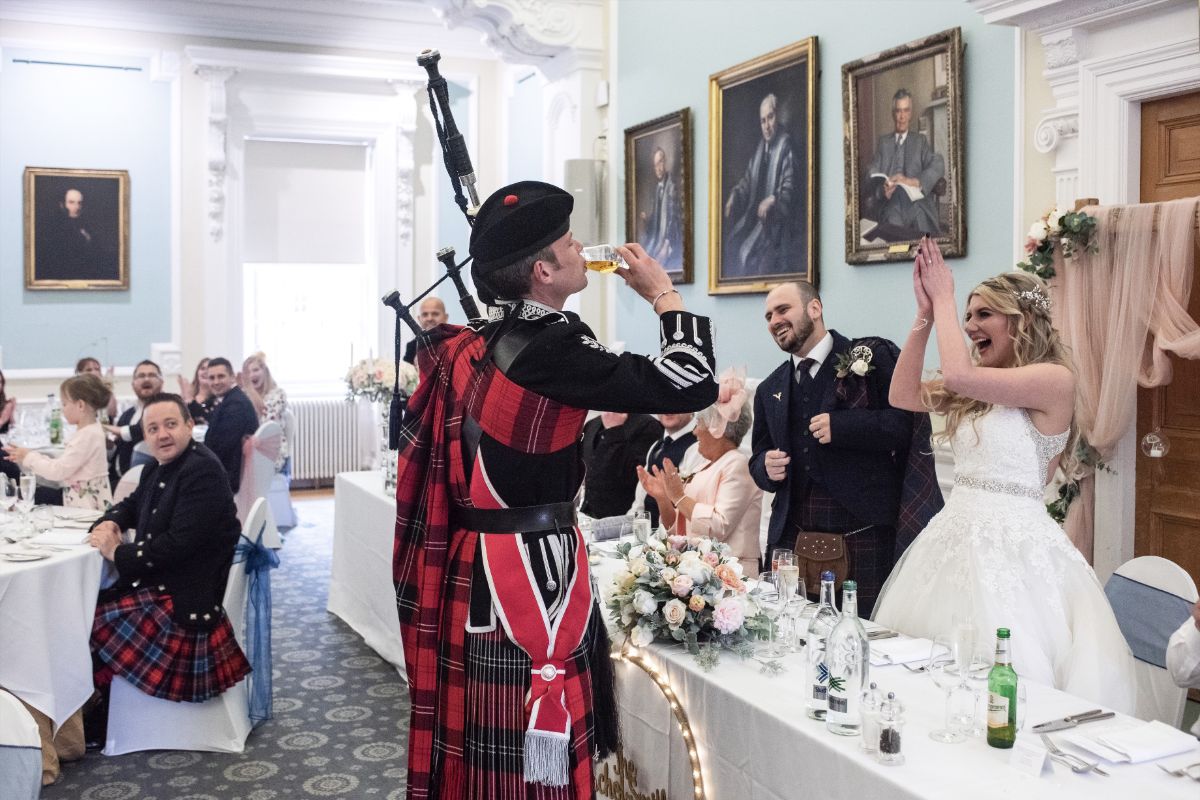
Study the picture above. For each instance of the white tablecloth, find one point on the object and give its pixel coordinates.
(757, 744)
(46, 610)
(360, 586)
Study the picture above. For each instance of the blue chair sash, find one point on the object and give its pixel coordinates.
(259, 561)
(1147, 616)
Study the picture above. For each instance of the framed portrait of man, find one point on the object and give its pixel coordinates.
(762, 171)
(76, 228)
(902, 112)
(658, 190)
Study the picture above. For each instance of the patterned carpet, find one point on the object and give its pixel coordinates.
(341, 712)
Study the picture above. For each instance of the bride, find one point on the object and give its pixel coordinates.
(993, 553)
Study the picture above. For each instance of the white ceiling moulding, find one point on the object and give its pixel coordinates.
(1047, 16)
(396, 26)
(531, 31)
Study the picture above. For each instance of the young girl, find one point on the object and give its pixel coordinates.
(83, 466)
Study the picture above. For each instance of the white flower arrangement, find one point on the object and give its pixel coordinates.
(684, 589)
(374, 378)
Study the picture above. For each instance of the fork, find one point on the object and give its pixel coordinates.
(1078, 765)
(1182, 772)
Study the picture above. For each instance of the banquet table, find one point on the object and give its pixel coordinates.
(756, 743)
(46, 610)
(360, 583)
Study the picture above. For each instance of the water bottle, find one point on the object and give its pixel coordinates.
(848, 656)
(819, 629)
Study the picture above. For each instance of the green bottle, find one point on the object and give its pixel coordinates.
(56, 423)
(1002, 696)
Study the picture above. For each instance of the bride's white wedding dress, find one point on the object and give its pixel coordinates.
(994, 554)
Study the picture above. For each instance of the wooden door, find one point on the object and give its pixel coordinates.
(1168, 489)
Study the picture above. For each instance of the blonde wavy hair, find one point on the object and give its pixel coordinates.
(269, 384)
(1025, 300)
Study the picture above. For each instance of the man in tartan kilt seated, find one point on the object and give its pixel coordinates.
(506, 653)
(161, 626)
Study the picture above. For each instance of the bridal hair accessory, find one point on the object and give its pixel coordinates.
(730, 398)
(1035, 298)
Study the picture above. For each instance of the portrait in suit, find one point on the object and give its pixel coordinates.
(76, 228)
(903, 150)
(658, 187)
(761, 171)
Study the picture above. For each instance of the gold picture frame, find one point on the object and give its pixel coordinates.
(658, 205)
(757, 242)
(902, 115)
(76, 229)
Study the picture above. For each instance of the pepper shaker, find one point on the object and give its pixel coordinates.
(891, 725)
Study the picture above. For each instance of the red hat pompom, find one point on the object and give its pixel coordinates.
(510, 200)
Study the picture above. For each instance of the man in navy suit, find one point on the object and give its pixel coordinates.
(830, 447)
(231, 421)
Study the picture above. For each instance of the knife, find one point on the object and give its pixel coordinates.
(1071, 721)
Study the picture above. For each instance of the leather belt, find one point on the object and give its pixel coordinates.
(521, 519)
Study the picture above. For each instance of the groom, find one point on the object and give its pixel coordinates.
(839, 459)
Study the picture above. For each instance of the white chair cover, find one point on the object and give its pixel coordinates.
(1150, 597)
(279, 495)
(128, 483)
(137, 721)
(141, 455)
(20, 751)
(258, 466)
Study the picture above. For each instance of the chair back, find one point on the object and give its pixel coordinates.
(20, 751)
(289, 430)
(128, 483)
(258, 465)
(1151, 597)
(141, 455)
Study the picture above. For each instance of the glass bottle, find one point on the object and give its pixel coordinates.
(848, 655)
(54, 424)
(819, 629)
(1002, 696)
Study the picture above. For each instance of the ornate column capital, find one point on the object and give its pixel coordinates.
(529, 31)
(215, 79)
(1053, 128)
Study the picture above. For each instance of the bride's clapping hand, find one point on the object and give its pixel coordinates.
(924, 304)
(936, 277)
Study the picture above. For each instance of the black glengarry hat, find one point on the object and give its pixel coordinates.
(517, 221)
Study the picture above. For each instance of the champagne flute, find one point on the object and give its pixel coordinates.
(770, 601)
(28, 487)
(943, 668)
(794, 600)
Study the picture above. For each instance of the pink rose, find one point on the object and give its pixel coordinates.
(682, 585)
(711, 558)
(677, 542)
(671, 559)
(1030, 246)
(728, 615)
(696, 603)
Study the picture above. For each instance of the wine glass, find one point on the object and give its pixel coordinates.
(770, 601)
(976, 671)
(28, 487)
(794, 600)
(943, 667)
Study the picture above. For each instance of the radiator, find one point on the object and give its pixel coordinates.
(327, 439)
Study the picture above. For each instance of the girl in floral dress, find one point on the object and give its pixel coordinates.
(82, 469)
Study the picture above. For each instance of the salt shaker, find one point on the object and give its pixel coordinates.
(872, 699)
(891, 724)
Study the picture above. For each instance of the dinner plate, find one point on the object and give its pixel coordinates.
(19, 557)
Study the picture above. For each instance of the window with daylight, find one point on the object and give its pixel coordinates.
(308, 270)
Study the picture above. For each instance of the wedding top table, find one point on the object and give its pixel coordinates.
(46, 610)
(755, 742)
(360, 583)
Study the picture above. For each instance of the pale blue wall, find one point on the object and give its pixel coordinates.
(668, 48)
(84, 117)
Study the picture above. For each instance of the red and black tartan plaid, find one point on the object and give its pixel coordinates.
(432, 569)
(134, 636)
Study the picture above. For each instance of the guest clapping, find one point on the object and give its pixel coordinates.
(147, 382)
(83, 466)
(8, 407)
(719, 500)
(198, 393)
(270, 400)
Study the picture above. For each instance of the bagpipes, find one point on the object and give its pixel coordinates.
(462, 175)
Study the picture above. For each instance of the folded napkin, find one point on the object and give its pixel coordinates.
(1133, 741)
(899, 651)
(61, 536)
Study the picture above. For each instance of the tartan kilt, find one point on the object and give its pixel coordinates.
(135, 637)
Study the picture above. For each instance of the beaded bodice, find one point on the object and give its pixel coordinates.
(1002, 451)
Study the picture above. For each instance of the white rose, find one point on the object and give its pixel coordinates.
(624, 580)
(641, 636)
(1054, 221)
(638, 566)
(644, 602)
(674, 612)
(656, 544)
(706, 546)
(859, 367)
(667, 575)
(1038, 231)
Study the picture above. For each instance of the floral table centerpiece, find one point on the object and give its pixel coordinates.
(688, 590)
(373, 378)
